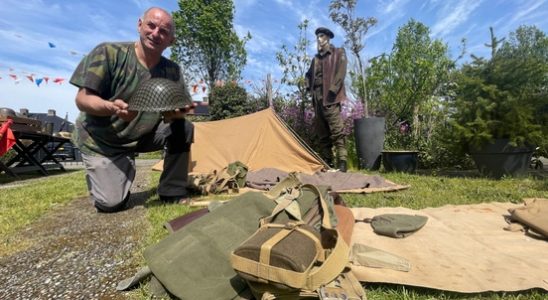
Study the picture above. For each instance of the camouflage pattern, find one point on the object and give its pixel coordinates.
(113, 71)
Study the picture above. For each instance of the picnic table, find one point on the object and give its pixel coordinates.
(34, 151)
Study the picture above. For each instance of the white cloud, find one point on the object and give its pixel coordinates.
(525, 11)
(260, 43)
(453, 15)
(387, 7)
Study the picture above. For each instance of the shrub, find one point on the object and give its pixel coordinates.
(505, 97)
(228, 101)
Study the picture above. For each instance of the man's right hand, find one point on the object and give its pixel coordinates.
(87, 100)
(121, 110)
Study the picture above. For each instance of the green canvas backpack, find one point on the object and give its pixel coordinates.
(300, 258)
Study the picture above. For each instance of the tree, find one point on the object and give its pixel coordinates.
(206, 43)
(228, 101)
(342, 12)
(407, 84)
(295, 65)
(506, 96)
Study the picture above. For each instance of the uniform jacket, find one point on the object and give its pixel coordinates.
(333, 70)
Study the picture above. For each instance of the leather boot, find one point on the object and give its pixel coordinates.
(342, 166)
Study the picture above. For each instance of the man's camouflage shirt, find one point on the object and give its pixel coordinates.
(113, 71)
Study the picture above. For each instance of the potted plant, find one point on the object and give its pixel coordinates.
(368, 127)
(406, 85)
(400, 152)
(500, 110)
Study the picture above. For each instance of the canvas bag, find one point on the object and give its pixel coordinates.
(533, 215)
(293, 260)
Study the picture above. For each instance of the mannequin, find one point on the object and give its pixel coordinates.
(325, 82)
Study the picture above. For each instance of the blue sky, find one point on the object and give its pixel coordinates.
(75, 27)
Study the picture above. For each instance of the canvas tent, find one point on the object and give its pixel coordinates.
(259, 140)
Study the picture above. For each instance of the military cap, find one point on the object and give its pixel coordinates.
(325, 31)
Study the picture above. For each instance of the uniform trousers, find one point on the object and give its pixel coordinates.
(109, 178)
(329, 127)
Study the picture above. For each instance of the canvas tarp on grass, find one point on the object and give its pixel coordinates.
(462, 248)
(259, 140)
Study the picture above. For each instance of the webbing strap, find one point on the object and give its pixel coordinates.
(270, 273)
(221, 180)
(283, 202)
(290, 182)
(310, 279)
(326, 221)
(333, 265)
(266, 249)
(320, 253)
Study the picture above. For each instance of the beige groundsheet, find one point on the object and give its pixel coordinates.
(461, 248)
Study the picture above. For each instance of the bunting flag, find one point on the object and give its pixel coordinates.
(7, 139)
(200, 86)
(18, 75)
(51, 45)
(35, 79)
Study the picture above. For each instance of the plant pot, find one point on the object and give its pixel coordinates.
(369, 135)
(500, 158)
(400, 161)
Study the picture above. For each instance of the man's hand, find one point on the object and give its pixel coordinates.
(120, 109)
(179, 113)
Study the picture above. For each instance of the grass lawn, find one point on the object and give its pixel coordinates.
(427, 190)
(27, 201)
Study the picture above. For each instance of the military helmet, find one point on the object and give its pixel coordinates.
(7, 112)
(158, 94)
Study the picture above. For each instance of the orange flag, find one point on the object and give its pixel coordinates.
(7, 139)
